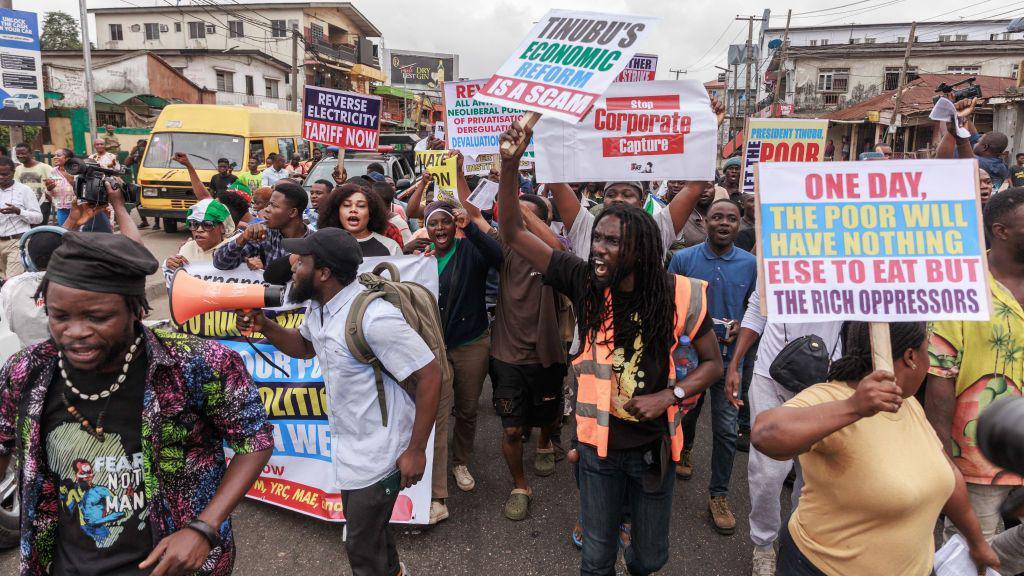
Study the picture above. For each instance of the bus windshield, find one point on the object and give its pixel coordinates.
(203, 150)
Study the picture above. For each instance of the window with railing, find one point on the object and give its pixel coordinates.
(152, 31)
(833, 79)
(316, 33)
(272, 90)
(278, 28)
(959, 69)
(831, 99)
(960, 37)
(225, 81)
(116, 32)
(891, 80)
(235, 29)
(197, 30)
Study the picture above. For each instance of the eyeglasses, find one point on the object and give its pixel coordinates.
(205, 225)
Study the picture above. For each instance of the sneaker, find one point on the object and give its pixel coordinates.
(438, 511)
(764, 561)
(743, 440)
(463, 478)
(721, 516)
(684, 469)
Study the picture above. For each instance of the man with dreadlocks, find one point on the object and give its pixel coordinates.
(632, 318)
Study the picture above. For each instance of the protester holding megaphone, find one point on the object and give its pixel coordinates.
(324, 268)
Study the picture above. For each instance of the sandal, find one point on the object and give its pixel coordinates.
(577, 535)
(518, 504)
(544, 462)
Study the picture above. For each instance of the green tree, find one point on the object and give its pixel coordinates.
(60, 32)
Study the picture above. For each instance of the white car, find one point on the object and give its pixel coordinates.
(23, 101)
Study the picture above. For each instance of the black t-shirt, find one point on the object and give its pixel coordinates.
(220, 182)
(373, 247)
(1017, 176)
(638, 373)
(103, 526)
(747, 238)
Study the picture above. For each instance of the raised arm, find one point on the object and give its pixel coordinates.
(197, 185)
(683, 204)
(510, 217)
(566, 202)
(414, 209)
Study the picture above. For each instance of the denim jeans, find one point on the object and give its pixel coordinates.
(606, 484)
(723, 428)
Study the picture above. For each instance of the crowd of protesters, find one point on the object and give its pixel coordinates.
(558, 294)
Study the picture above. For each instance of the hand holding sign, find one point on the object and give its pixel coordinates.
(514, 141)
(877, 392)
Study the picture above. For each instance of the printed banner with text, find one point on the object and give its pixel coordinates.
(781, 140)
(474, 127)
(636, 131)
(885, 241)
(566, 62)
(641, 68)
(443, 170)
(345, 119)
(298, 475)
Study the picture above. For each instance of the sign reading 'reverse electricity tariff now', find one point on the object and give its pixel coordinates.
(344, 119)
(886, 241)
(566, 62)
(781, 140)
(636, 131)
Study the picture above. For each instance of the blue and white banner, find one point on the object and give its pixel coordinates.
(21, 71)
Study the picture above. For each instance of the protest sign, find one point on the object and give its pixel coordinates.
(299, 475)
(441, 167)
(474, 127)
(636, 131)
(337, 118)
(641, 68)
(484, 195)
(781, 140)
(566, 62)
(886, 241)
(484, 162)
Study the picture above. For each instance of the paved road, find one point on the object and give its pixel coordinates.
(477, 539)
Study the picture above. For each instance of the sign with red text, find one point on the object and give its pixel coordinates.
(474, 127)
(641, 68)
(781, 140)
(885, 241)
(566, 62)
(636, 131)
(344, 119)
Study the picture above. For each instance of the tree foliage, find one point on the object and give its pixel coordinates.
(60, 32)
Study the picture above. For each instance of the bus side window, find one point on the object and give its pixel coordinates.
(304, 150)
(286, 146)
(256, 149)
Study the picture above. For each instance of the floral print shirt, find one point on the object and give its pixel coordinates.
(986, 360)
(198, 398)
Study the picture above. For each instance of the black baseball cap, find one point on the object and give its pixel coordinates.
(333, 247)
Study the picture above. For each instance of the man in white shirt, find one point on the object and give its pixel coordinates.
(371, 462)
(765, 475)
(275, 171)
(24, 312)
(19, 210)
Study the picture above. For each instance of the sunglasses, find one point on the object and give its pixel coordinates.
(205, 225)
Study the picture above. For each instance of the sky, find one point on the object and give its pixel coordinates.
(692, 35)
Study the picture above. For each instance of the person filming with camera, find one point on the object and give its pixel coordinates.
(19, 211)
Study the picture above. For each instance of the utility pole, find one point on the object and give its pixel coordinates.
(735, 88)
(782, 66)
(890, 136)
(90, 98)
(295, 67)
(749, 60)
(677, 72)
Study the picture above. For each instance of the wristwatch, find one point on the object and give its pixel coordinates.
(679, 393)
(212, 536)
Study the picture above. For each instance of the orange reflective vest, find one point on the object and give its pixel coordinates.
(595, 375)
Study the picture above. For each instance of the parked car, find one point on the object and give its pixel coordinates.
(24, 101)
(395, 166)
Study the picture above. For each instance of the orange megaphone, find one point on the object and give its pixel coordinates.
(190, 296)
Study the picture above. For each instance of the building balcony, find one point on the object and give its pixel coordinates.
(240, 99)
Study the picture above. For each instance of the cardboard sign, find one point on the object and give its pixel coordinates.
(484, 195)
(781, 140)
(345, 119)
(641, 68)
(475, 127)
(636, 131)
(566, 62)
(484, 162)
(885, 241)
(441, 167)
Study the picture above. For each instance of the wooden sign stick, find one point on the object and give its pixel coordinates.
(881, 346)
(528, 120)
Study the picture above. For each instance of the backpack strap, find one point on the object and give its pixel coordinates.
(355, 340)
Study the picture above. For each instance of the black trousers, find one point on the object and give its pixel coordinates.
(791, 561)
(370, 544)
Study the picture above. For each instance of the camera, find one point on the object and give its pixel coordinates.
(1001, 435)
(948, 90)
(91, 177)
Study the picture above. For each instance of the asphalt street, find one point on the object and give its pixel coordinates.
(477, 539)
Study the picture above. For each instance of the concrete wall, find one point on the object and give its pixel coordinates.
(202, 69)
(131, 75)
(883, 33)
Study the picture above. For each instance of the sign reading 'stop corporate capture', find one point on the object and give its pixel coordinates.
(344, 119)
(889, 241)
(566, 62)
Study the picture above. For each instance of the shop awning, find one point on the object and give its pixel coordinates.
(125, 98)
(394, 91)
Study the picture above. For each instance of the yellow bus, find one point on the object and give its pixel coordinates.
(207, 133)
